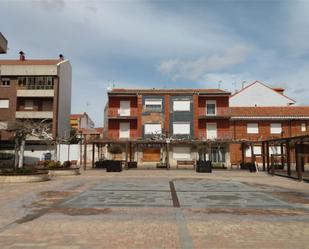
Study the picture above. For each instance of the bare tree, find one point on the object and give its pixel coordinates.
(25, 129)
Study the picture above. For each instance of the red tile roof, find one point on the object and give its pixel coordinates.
(167, 91)
(284, 111)
(30, 62)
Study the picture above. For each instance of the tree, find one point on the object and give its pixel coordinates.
(25, 129)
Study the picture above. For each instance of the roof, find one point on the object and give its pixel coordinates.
(29, 62)
(285, 112)
(74, 116)
(275, 89)
(167, 91)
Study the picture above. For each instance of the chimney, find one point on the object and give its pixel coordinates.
(61, 57)
(22, 56)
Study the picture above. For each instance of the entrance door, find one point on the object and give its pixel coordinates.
(124, 108)
(211, 131)
(124, 130)
(151, 155)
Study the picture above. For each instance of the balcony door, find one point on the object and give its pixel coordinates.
(124, 130)
(211, 130)
(124, 108)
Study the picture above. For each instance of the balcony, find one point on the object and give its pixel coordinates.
(115, 113)
(35, 91)
(221, 112)
(34, 114)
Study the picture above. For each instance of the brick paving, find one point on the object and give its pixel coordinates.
(136, 209)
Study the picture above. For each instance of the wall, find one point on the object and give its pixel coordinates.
(181, 116)
(64, 98)
(256, 94)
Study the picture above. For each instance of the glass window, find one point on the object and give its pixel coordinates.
(181, 105)
(153, 104)
(275, 128)
(181, 128)
(252, 128)
(303, 127)
(211, 107)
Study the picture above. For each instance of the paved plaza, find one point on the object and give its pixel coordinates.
(156, 209)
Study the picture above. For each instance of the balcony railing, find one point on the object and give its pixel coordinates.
(34, 114)
(35, 87)
(220, 112)
(115, 113)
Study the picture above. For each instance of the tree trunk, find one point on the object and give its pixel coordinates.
(16, 155)
(21, 154)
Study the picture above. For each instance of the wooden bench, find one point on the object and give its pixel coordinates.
(186, 162)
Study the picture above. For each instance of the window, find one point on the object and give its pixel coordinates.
(153, 104)
(36, 83)
(303, 127)
(211, 130)
(124, 130)
(28, 104)
(5, 82)
(181, 105)
(153, 129)
(182, 153)
(182, 128)
(252, 128)
(211, 107)
(3, 125)
(257, 150)
(125, 108)
(4, 103)
(275, 128)
(274, 150)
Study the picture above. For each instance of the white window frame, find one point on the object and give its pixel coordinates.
(125, 111)
(253, 130)
(181, 105)
(182, 130)
(275, 128)
(154, 102)
(4, 103)
(3, 125)
(185, 155)
(156, 131)
(209, 136)
(211, 102)
(303, 127)
(127, 132)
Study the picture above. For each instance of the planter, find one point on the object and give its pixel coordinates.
(113, 166)
(101, 164)
(203, 167)
(132, 165)
(245, 166)
(63, 172)
(30, 177)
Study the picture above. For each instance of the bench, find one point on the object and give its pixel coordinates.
(186, 162)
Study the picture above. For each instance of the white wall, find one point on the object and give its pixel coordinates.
(258, 95)
(64, 109)
(31, 70)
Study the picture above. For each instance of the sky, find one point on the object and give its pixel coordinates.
(164, 44)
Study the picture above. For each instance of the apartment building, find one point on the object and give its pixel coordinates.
(3, 44)
(39, 90)
(169, 124)
(262, 123)
(81, 121)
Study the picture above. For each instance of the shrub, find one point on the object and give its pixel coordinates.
(67, 164)
(53, 164)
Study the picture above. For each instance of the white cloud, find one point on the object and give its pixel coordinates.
(196, 69)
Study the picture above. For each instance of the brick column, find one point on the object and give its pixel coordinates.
(195, 116)
(139, 115)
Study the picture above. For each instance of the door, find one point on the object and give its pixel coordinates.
(211, 131)
(124, 130)
(151, 155)
(124, 108)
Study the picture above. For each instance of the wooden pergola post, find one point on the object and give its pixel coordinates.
(267, 155)
(298, 161)
(288, 158)
(263, 155)
(93, 154)
(252, 152)
(282, 154)
(126, 162)
(167, 156)
(242, 153)
(85, 153)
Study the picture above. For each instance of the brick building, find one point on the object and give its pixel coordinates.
(168, 125)
(39, 90)
(262, 123)
(173, 124)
